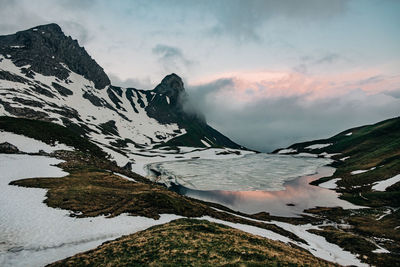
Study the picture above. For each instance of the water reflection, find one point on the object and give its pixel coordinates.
(297, 196)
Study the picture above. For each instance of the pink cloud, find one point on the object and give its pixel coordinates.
(249, 86)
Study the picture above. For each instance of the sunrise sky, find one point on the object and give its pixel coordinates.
(265, 73)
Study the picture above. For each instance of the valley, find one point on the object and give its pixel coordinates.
(93, 173)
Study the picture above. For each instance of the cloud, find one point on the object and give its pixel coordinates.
(203, 92)
(131, 83)
(81, 33)
(311, 62)
(171, 58)
(266, 121)
(243, 19)
(394, 93)
(328, 58)
(371, 80)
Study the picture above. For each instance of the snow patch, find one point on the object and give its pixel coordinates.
(381, 250)
(30, 145)
(331, 184)
(125, 177)
(382, 185)
(327, 155)
(287, 151)
(362, 171)
(205, 143)
(318, 146)
(385, 213)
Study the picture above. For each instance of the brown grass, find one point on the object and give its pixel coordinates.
(187, 242)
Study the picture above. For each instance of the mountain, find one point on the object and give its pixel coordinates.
(45, 75)
(367, 162)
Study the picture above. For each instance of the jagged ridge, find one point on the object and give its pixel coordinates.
(45, 75)
(44, 47)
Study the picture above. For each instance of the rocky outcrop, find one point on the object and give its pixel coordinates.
(45, 49)
(8, 148)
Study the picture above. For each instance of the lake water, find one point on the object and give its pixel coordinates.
(278, 184)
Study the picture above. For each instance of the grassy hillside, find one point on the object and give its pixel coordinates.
(188, 242)
(375, 148)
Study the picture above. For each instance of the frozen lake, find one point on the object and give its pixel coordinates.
(278, 184)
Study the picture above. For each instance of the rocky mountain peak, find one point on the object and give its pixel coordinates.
(45, 49)
(171, 85)
(52, 28)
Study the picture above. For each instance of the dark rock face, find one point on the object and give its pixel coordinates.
(5, 75)
(61, 89)
(25, 112)
(166, 105)
(8, 148)
(45, 47)
(171, 86)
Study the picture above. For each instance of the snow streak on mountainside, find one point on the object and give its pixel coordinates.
(46, 75)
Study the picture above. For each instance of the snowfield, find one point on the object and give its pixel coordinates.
(30, 145)
(33, 234)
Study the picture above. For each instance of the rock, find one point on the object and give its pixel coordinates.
(171, 85)
(8, 148)
(128, 166)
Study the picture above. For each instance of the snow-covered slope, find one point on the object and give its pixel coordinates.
(46, 75)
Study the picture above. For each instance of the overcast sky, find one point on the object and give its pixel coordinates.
(265, 73)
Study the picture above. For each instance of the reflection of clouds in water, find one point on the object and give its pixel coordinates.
(298, 192)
